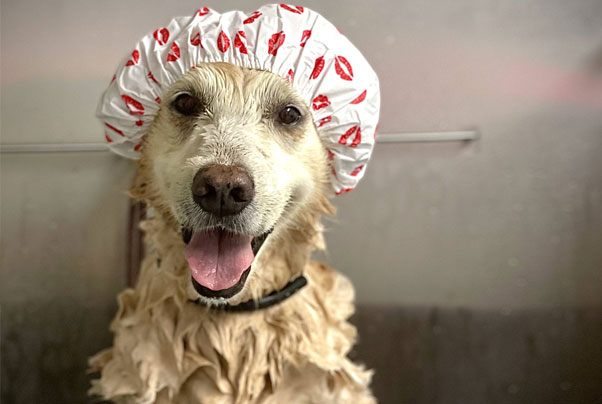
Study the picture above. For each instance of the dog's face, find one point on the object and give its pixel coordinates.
(235, 157)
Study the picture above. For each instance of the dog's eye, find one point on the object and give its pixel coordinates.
(289, 116)
(187, 105)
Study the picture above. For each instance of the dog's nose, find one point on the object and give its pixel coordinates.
(222, 190)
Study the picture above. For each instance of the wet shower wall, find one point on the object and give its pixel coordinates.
(508, 223)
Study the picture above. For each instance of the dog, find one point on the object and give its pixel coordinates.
(235, 177)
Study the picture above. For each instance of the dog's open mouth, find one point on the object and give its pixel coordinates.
(219, 260)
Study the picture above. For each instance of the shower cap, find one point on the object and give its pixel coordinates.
(293, 42)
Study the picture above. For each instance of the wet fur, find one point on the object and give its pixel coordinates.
(168, 349)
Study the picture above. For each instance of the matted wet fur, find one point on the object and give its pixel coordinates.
(169, 349)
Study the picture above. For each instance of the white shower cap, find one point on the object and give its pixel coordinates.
(293, 42)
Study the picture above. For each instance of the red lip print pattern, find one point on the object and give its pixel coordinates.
(275, 43)
(321, 101)
(152, 77)
(305, 37)
(203, 11)
(135, 107)
(114, 129)
(139, 122)
(109, 140)
(135, 58)
(223, 42)
(161, 35)
(239, 42)
(356, 170)
(253, 17)
(318, 66)
(344, 191)
(158, 100)
(324, 121)
(174, 54)
(360, 98)
(343, 68)
(137, 147)
(195, 40)
(330, 155)
(290, 76)
(356, 140)
(292, 9)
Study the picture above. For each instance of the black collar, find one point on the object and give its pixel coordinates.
(273, 298)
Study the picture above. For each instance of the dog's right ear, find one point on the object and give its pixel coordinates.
(140, 188)
(143, 190)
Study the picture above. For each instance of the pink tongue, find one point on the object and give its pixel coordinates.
(218, 258)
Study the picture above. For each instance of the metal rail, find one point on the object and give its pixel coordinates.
(422, 137)
(52, 147)
(418, 137)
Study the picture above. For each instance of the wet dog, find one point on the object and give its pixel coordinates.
(235, 176)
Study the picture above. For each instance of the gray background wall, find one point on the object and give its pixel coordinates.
(512, 222)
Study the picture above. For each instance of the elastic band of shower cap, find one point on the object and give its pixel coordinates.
(296, 43)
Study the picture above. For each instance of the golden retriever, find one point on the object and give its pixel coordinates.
(235, 177)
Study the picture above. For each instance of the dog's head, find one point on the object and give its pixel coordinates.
(235, 158)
